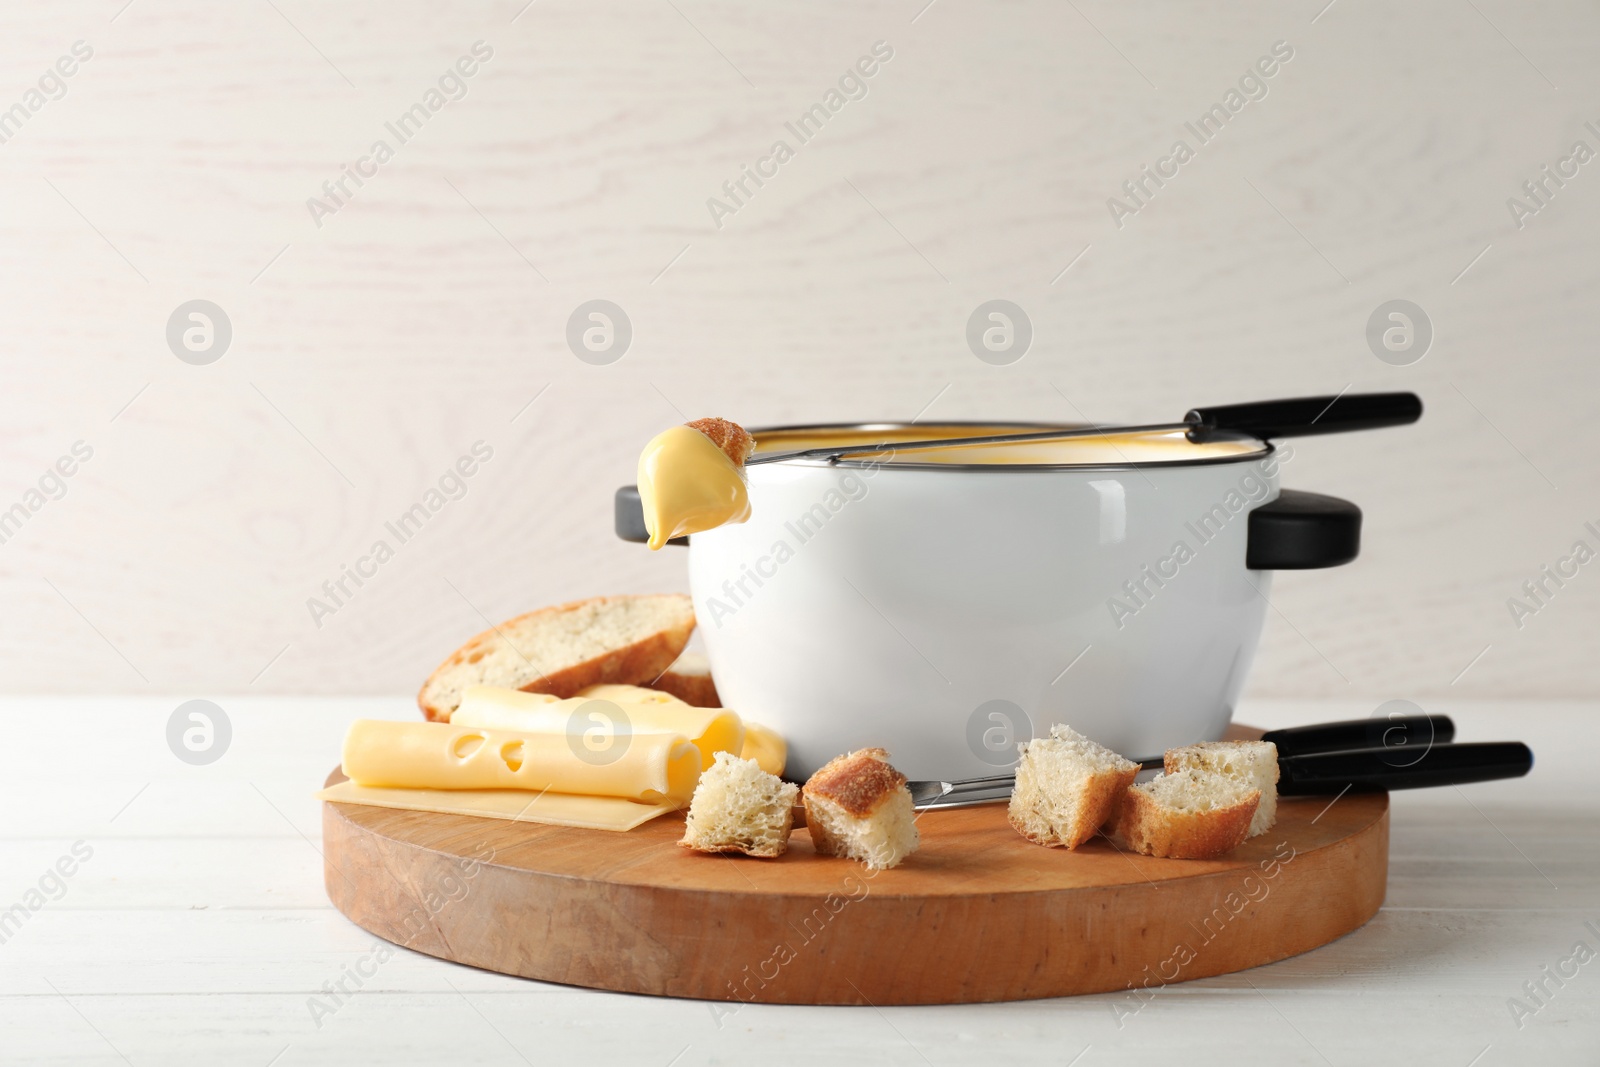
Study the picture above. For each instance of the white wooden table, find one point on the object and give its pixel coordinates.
(197, 930)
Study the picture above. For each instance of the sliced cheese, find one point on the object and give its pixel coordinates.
(556, 809)
(629, 694)
(649, 767)
(600, 715)
(762, 744)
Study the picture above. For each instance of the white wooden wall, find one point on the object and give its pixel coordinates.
(372, 351)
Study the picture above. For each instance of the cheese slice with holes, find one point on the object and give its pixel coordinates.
(516, 805)
(601, 713)
(650, 767)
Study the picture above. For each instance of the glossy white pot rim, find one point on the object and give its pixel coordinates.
(1266, 448)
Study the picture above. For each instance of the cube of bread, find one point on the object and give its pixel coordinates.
(734, 440)
(858, 806)
(1253, 764)
(1067, 786)
(1187, 815)
(738, 807)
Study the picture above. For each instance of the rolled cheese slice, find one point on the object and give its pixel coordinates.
(652, 768)
(762, 744)
(599, 714)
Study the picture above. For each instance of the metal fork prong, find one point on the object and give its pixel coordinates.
(929, 791)
(966, 785)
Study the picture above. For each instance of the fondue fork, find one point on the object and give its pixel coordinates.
(1308, 774)
(1295, 740)
(1265, 419)
(1329, 758)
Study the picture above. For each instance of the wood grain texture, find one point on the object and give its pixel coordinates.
(201, 933)
(976, 914)
(370, 352)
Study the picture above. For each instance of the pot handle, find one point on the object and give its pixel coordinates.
(629, 517)
(1298, 531)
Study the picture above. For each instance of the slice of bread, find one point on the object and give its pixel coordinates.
(562, 649)
(689, 679)
(1188, 815)
(1067, 786)
(738, 807)
(858, 806)
(1253, 764)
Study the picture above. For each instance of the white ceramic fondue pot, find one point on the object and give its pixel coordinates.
(945, 609)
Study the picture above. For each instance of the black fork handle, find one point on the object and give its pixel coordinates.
(1307, 415)
(1416, 731)
(1388, 768)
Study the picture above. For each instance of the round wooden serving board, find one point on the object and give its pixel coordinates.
(976, 914)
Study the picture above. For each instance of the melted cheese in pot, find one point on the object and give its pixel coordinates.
(687, 484)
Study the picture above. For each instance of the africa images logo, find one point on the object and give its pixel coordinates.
(1142, 188)
(852, 85)
(451, 86)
